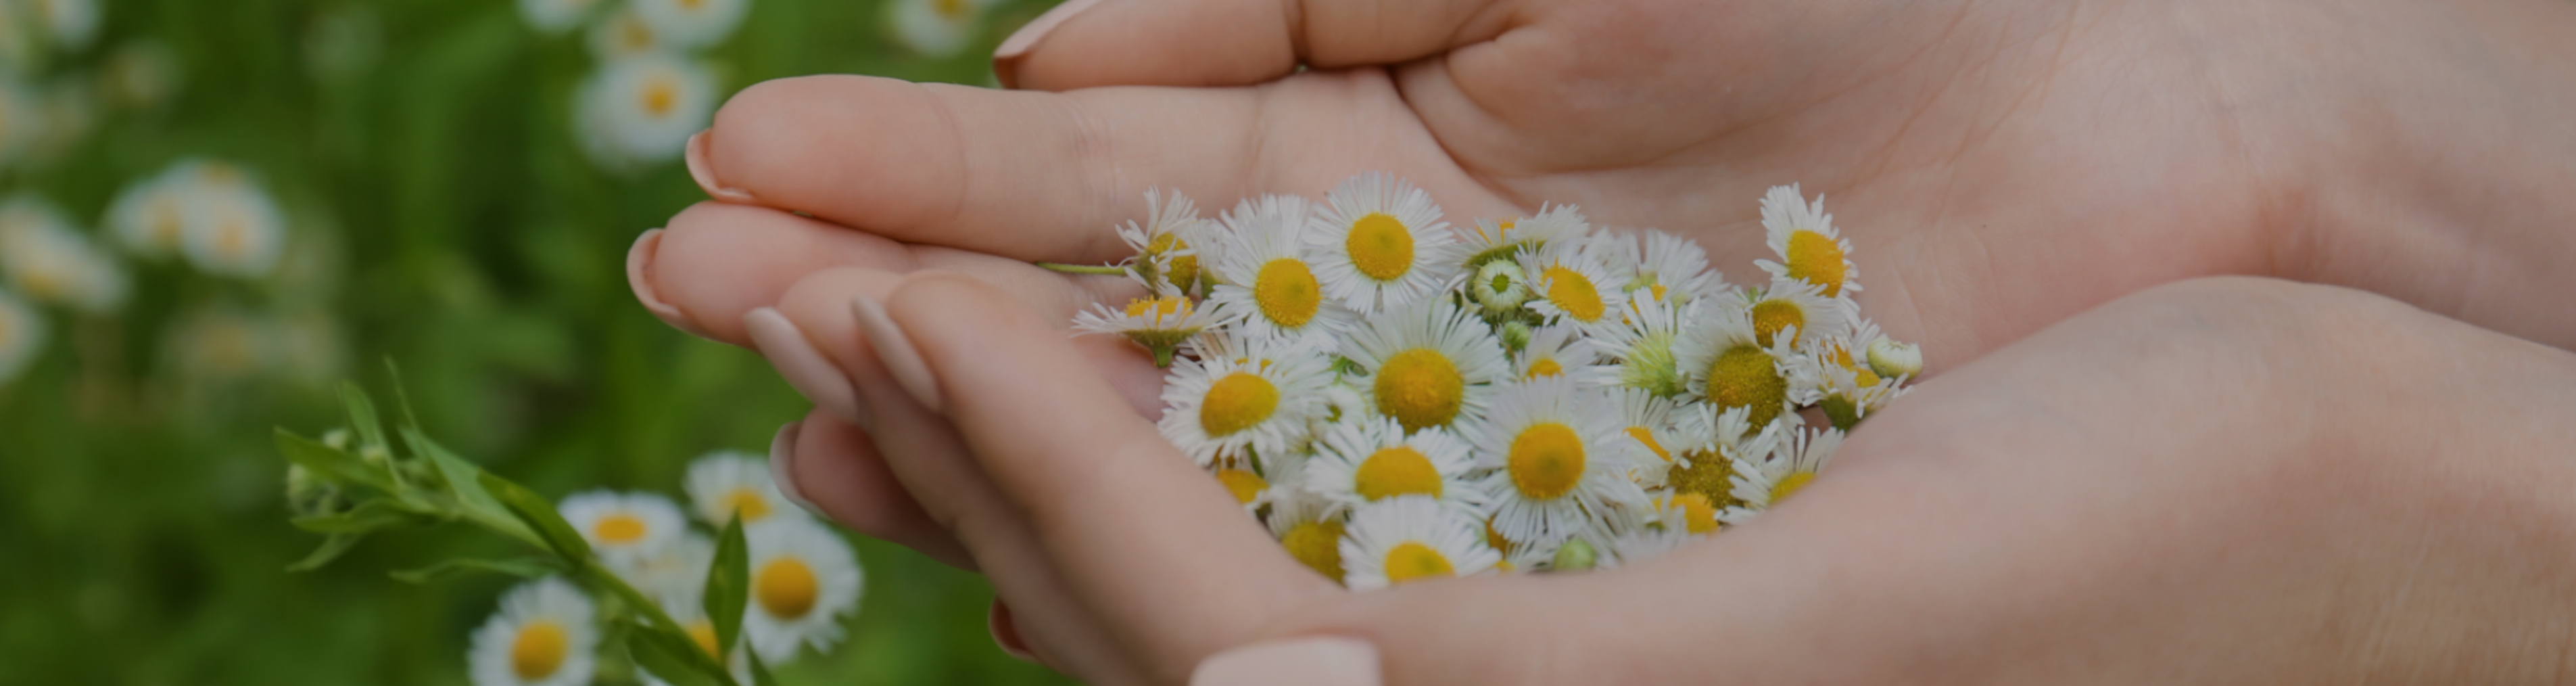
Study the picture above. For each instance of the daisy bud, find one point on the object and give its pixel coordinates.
(1516, 335)
(1893, 359)
(1500, 286)
(1575, 556)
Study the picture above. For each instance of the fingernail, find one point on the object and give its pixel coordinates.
(1321, 661)
(782, 467)
(896, 352)
(1006, 59)
(639, 259)
(1006, 632)
(705, 174)
(802, 366)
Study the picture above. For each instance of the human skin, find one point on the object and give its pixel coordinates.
(2000, 166)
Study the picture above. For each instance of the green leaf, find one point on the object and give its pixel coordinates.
(540, 517)
(331, 549)
(728, 590)
(362, 416)
(675, 658)
(525, 568)
(465, 483)
(332, 463)
(367, 516)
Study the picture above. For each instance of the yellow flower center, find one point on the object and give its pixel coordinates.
(1574, 293)
(539, 649)
(1789, 485)
(703, 633)
(634, 36)
(1495, 538)
(1815, 259)
(786, 588)
(231, 236)
(1185, 268)
(166, 222)
(691, 4)
(619, 529)
(1545, 366)
(1380, 247)
(1394, 471)
(1412, 561)
(1162, 308)
(1647, 436)
(1770, 317)
(1744, 376)
(1237, 402)
(1419, 388)
(660, 97)
(1243, 484)
(1546, 460)
(1286, 292)
(1318, 545)
(951, 9)
(1657, 290)
(1699, 515)
(746, 503)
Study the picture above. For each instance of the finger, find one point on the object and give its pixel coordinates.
(819, 304)
(1089, 43)
(835, 467)
(1055, 443)
(717, 262)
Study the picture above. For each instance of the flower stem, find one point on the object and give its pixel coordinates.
(1113, 270)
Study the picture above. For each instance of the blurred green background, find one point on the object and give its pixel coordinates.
(440, 211)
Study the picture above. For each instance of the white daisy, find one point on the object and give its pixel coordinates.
(1667, 267)
(234, 228)
(1305, 525)
(671, 570)
(151, 215)
(1371, 459)
(1708, 444)
(1792, 463)
(692, 23)
(1810, 248)
(1412, 538)
(141, 74)
(1557, 351)
(1378, 243)
(1499, 287)
(1643, 349)
(1160, 324)
(556, 16)
(623, 34)
(1265, 283)
(1646, 429)
(1637, 545)
(49, 261)
(623, 526)
(1427, 364)
(1729, 367)
(937, 28)
(22, 334)
(542, 636)
(72, 22)
(1799, 309)
(645, 107)
(1261, 399)
(690, 611)
(1848, 389)
(1500, 240)
(1573, 287)
(1170, 246)
(1550, 461)
(803, 579)
(726, 483)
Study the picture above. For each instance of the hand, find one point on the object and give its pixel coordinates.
(2216, 481)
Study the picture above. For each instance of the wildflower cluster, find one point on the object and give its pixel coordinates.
(650, 92)
(629, 584)
(1398, 399)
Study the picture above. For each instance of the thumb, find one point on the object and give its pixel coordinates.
(1486, 631)
(1086, 43)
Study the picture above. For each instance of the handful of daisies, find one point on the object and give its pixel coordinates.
(1400, 400)
(624, 582)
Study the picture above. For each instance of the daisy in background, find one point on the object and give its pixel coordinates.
(642, 108)
(1555, 351)
(557, 16)
(674, 568)
(70, 23)
(937, 28)
(692, 23)
(1730, 367)
(1644, 348)
(1662, 266)
(1265, 283)
(623, 526)
(140, 74)
(22, 334)
(542, 636)
(1372, 459)
(1259, 399)
(690, 611)
(1169, 246)
(234, 228)
(1810, 248)
(1411, 538)
(1302, 523)
(1378, 243)
(1549, 463)
(803, 580)
(1573, 287)
(623, 34)
(151, 214)
(728, 483)
(49, 261)
(1159, 324)
(1792, 463)
(1427, 364)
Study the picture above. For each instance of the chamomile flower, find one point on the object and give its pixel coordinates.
(1411, 538)
(646, 106)
(234, 228)
(1160, 324)
(1892, 358)
(72, 22)
(47, 260)
(1799, 309)
(1305, 525)
(141, 74)
(542, 636)
(1170, 246)
(803, 580)
(623, 525)
(937, 28)
(1573, 287)
(1260, 399)
(1646, 428)
(1730, 367)
(1500, 288)
(1550, 463)
(673, 569)
(1557, 351)
(1666, 267)
(1645, 347)
(556, 16)
(624, 34)
(1378, 243)
(1503, 240)
(1708, 447)
(1372, 459)
(1241, 479)
(725, 484)
(1427, 364)
(1810, 248)
(22, 334)
(1637, 545)
(1265, 283)
(689, 610)
(151, 215)
(1847, 388)
(692, 23)
(1793, 462)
